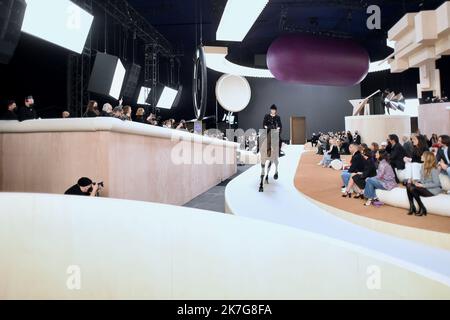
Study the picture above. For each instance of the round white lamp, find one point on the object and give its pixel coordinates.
(233, 92)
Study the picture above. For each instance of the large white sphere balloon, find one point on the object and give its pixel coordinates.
(233, 92)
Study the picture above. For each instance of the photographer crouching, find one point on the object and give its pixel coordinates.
(85, 187)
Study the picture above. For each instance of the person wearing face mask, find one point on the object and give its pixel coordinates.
(27, 112)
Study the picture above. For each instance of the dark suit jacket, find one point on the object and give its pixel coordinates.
(396, 157)
(357, 163)
(440, 156)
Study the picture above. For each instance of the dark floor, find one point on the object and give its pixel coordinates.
(214, 199)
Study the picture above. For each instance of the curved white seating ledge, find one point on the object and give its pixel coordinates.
(439, 204)
(56, 247)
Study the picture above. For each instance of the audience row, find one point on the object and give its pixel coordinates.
(418, 164)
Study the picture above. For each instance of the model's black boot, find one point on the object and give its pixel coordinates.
(412, 207)
(261, 185)
(276, 176)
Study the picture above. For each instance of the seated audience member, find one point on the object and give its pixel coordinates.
(92, 110)
(407, 145)
(374, 147)
(443, 154)
(140, 113)
(429, 185)
(358, 181)
(27, 112)
(357, 165)
(182, 125)
(314, 140)
(331, 154)
(127, 113)
(396, 155)
(434, 141)
(10, 113)
(413, 163)
(118, 113)
(107, 110)
(357, 138)
(384, 180)
(152, 120)
(384, 145)
(167, 124)
(65, 115)
(84, 187)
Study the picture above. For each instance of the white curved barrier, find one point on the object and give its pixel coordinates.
(56, 247)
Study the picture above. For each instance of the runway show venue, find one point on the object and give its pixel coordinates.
(204, 152)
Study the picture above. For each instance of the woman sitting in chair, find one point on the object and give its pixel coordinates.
(428, 186)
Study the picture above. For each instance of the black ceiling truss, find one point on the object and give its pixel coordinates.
(156, 48)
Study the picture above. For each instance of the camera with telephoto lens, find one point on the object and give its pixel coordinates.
(100, 184)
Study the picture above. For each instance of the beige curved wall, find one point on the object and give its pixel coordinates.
(376, 128)
(136, 161)
(137, 250)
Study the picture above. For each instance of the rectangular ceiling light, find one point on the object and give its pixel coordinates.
(60, 22)
(143, 95)
(117, 83)
(167, 98)
(238, 18)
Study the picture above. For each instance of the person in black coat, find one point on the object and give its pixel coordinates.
(397, 154)
(357, 138)
(357, 165)
(443, 154)
(370, 170)
(27, 112)
(10, 113)
(272, 121)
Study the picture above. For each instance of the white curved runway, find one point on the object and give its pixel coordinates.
(282, 203)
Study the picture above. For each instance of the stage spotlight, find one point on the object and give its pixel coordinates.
(107, 76)
(144, 95)
(167, 99)
(60, 22)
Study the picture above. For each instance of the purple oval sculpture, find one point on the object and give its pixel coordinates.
(317, 60)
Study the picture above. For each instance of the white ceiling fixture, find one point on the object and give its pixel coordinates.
(216, 60)
(60, 22)
(378, 66)
(238, 18)
(143, 96)
(167, 98)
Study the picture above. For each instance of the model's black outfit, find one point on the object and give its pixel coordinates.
(9, 115)
(27, 113)
(272, 123)
(370, 170)
(76, 191)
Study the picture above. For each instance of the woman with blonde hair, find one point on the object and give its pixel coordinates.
(429, 185)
